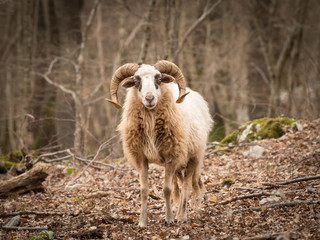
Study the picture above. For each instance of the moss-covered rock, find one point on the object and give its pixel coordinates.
(12, 159)
(259, 129)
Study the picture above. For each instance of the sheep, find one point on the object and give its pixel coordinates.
(155, 129)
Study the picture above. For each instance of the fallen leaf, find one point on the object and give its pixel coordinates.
(213, 199)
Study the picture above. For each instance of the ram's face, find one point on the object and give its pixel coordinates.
(148, 80)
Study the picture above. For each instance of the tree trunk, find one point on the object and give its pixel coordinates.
(147, 32)
(28, 181)
(69, 27)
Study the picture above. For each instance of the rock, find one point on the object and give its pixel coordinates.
(255, 152)
(73, 187)
(259, 129)
(245, 133)
(272, 199)
(297, 126)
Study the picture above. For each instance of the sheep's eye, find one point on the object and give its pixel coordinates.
(137, 82)
(158, 79)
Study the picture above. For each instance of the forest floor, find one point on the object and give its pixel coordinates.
(91, 203)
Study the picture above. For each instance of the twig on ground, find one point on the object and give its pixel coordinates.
(299, 180)
(97, 162)
(246, 189)
(49, 155)
(25, 228)
(283, 183)
(268, 236)
(245, 197)
(278, 205)
(101, 147)
(29, 213)
(70, 154)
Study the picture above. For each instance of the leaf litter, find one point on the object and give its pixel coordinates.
(264, 201)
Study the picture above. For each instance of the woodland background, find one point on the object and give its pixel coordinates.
(248, 58)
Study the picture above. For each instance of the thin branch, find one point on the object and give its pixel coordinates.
(49, 155)
(103, 97)
(262, 74)
(70, 154)
(267, 236)
(205, 13)
(300, 180)
(3, 215)
(96, 162)
(93, 92)
(25, 228)
(134, 32)
(286, 49)
(245, 197)
(59, 86)
(86, 30)
(101, 147)
(278, 205)
(57, 159)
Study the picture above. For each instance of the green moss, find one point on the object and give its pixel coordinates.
(231, 138)
(217, 133)
(258, 129)
(14, 158)
(227, 182)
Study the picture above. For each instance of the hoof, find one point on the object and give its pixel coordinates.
(182, 218)
(170, 219)
(142, 223)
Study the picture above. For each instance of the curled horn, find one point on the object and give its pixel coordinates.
(170, 68)
(120, 74)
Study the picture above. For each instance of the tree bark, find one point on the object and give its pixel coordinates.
(30, 180)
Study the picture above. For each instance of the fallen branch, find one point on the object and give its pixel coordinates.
(14, 222)
(101, 147)
(70, 154)
(97, 162)
(30, 180)
(25, 228)
(283, 183)
(29, 213)
(49, 155)
(267, 236)
(278, 205)
(299, 180)
(245, 197)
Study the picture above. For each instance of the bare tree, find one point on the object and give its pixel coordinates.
(264, 19)
(147, 32)
(77, 94)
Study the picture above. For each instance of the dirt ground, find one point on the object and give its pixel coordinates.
(263, 202)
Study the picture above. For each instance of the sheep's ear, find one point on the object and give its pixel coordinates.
(166, 78)
(128, 82)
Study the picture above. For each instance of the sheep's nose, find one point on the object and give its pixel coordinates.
(149, 97)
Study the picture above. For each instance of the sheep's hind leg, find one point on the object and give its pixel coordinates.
(198, 186)
(143, 172)
(169, 173)
(175, 196)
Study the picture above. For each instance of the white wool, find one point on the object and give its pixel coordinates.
(196, 112)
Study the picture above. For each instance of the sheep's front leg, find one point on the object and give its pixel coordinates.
(182, 210)
(143, 172)
(169, 172)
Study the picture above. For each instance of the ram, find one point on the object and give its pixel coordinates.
(161, 125)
